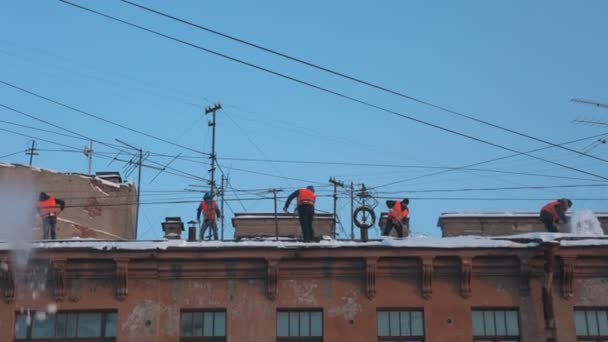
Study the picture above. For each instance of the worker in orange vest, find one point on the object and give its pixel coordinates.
(306, 210)
(210, 214)
(398, 217)
(554, 213)
(48, 208)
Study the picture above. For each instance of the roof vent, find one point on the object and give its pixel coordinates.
(173, 227)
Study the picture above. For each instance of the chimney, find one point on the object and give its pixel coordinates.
(173, 227)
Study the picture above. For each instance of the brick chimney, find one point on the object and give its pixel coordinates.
(173, 227)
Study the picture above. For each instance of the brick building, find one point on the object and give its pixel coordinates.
(93, 207)
(530, 287)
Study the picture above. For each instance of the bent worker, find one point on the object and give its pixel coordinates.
(48, 208)
(554, 213)
(210, 214)
(306, 210)
(398, 217)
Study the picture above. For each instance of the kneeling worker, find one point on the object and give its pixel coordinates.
(554, 213)
(398, 217)
(306, 210)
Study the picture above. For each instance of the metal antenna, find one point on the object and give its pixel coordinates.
(164, 168)
(276, 221)
(213, 156)
(32, 151)
(589, 102)
(140, 152)
(336, 183)
(88, 152)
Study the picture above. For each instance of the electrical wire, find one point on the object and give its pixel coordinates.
(101, 118)
(326, 90)
(498, 188)
(11, 154)
(367, 83)
(483, 162)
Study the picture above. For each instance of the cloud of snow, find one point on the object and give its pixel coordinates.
(18, 198)
(586, 223)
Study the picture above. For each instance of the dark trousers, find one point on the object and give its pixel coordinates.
(398, 227)
(49, 225)
(207, 224)
(306, 213)
(547, 219)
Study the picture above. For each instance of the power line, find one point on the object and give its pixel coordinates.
(11, 154)
(37, 138)
(367, 83)
(484, 162)
(498, 188)
(338, 94)
(100, 118)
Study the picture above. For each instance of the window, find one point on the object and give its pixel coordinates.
(397, 325)
(66, 326)
(203, 325)
(301, 326)
(496, 325)
(591, 324)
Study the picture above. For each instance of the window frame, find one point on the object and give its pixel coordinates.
(497, 338)
(104, 318)
(401, 338)
(595, 338)
(204, 338)
(300, 338)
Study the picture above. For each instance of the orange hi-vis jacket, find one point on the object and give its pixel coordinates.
(209, 211)
(551, 208)
(397, 212)
(306, 196)
(48, 207)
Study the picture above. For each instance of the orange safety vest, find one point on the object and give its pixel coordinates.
(306, 196)
(397, 212)
(209, 211)
(550, 208)
(48, 207)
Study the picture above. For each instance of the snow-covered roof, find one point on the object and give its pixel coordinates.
(529, 240)
(501, 214)
(86, 176)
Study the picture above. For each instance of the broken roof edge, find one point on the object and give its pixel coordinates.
(125, 183)
(521, 241)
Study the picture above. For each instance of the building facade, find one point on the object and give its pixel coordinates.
(532, 287)
(97, 206)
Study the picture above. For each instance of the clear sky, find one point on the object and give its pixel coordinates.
(516, 64)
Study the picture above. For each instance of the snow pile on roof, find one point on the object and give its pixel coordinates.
(528, 240)
(585, 222)
(500, 214)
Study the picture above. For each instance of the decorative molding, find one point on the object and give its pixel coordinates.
(122, 276)
(370, 277)
(525, 273)
(7, 282)
(272, 275)
(568, 264)
(58, 268)
(466, 269)
(426, 287)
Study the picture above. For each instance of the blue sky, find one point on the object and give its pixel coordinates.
(516, 64)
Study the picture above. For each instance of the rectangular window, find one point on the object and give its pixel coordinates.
(398, 325)
(69, 326)
(591, 324)
(495, 325)
(203, 325)
(301, 326)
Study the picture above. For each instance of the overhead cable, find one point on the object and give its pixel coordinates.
(338, 94)
(367, 83)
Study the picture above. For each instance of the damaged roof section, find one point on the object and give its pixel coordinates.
(96, 206)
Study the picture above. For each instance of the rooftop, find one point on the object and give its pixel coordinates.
(529, 240)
